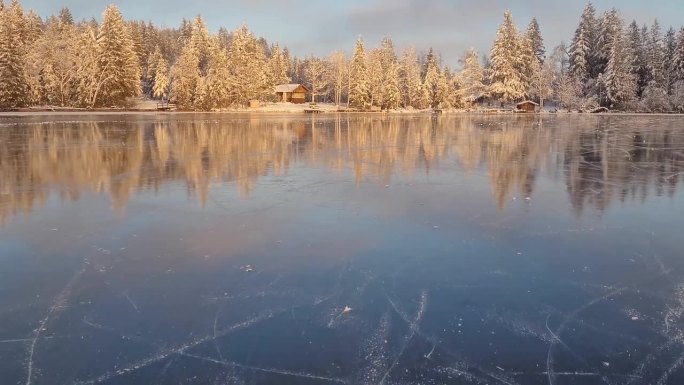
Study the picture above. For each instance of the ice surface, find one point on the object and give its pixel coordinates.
(367, 250)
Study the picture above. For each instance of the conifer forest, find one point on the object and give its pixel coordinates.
(105, 62)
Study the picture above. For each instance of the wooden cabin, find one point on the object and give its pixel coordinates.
(292, 93)
(526, 106)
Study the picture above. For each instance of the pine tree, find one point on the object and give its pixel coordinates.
(582, 54)
(472, 77)
(536, 40)
(358, 78)
(507, 78)
(117, 60)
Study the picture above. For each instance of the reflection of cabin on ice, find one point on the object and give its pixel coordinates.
(526, 106)
(294, 93)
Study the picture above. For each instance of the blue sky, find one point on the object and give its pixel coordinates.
(320, 27)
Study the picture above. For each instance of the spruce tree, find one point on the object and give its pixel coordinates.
(639, 69)
(536, 40)
(88, 75)
(582, 54)
(618, 82)
(277, 67)
(14, 88)
(669, 60)
(248, 68)
(432, 81)
(472, 77)
(375, 77)
(507, 78)
(161, 78)
(410, 82)
(679, 56)
(390, 92)
(359, 96)
(117, 60)
(186, 78)
(655, 56)
(216, 84)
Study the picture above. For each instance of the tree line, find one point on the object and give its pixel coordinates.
(57, 61)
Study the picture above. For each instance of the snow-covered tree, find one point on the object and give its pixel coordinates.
(677, 98)
(610, 25)
(375, 77)
(248, 67)
(161, 78)
(277, 67)
(569, 92)
(582, 49)
(14, 86)
(358, 78)
(507, 78)
(618, 84)
(471, 78)
(669, 60)
(214, 86)
(637, 47)
(316, 74)
(390, 94)
(88, 74)
(542, 81)
(410, 81)
(117, 60)
(338, 75)
(433, 82)
(655, 56)
(535, 39)
(679, 56)
(655, 99)
(185, 78)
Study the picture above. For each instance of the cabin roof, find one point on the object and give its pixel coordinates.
(526, 102)
(289, 87)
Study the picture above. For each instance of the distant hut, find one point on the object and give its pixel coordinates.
(293, 93)
(526, 106)
(599, 110)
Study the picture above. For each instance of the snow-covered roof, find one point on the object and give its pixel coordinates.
(289, 87)
(527, 102)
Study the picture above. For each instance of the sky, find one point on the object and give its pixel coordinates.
(320, 27)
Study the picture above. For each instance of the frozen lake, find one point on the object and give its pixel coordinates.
(361, 249)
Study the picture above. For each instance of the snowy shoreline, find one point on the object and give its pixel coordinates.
(302, 111)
